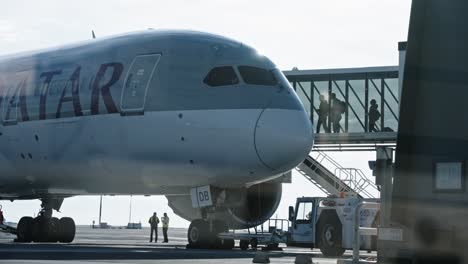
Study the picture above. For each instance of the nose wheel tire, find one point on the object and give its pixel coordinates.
(200, 236)
(220, 227)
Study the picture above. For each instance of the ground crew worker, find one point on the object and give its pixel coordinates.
(165, 222)
(2, 218)
(154, 221)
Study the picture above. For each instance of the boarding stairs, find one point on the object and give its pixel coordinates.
(350, 182)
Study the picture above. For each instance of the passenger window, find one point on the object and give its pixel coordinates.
(220, 76)
(257, 76)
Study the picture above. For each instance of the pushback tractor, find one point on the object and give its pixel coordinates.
(315, 222)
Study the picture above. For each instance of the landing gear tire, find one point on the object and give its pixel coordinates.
(330, 235)
(25, 229)
(220, 227)
(45, 229)
(67, 230)
(198, 234)
(55, 228)
(42, 229)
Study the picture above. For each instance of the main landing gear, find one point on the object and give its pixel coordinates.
(45, 228)
(204, 234)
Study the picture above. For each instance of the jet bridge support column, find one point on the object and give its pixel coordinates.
(383, 171)
(384, 178)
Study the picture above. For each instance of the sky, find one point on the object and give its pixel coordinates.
(308, 34)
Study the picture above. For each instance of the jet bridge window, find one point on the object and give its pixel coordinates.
(257, 76)
(221, 76)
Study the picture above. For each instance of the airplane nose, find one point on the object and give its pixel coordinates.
(283, 138)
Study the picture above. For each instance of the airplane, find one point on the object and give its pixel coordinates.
(202, 119)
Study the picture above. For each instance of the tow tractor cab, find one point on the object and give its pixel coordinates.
(328, 224)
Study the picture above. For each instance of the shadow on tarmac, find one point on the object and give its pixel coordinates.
(84, 251)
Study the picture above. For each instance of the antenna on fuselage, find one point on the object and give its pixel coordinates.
(92, 33)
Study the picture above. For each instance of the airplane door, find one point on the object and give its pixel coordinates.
(10, 107)
(136, 84)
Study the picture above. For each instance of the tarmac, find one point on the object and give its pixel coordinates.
(132, 246)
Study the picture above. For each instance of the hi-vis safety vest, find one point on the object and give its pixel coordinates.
(165, 221)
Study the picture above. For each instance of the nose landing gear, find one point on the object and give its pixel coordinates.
(45, 228)
(204, 234)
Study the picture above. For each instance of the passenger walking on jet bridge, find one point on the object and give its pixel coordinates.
(154, 221)
(374, 115)
(165, 223)
(324, 109)
(337, 107)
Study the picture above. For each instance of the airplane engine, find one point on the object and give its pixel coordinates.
(238, 208)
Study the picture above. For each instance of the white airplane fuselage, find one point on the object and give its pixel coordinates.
(138, 114)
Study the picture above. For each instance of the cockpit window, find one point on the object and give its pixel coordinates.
(220, 76)
(281, 79)
(257, 76)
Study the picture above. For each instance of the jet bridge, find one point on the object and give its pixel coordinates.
(357, 88)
